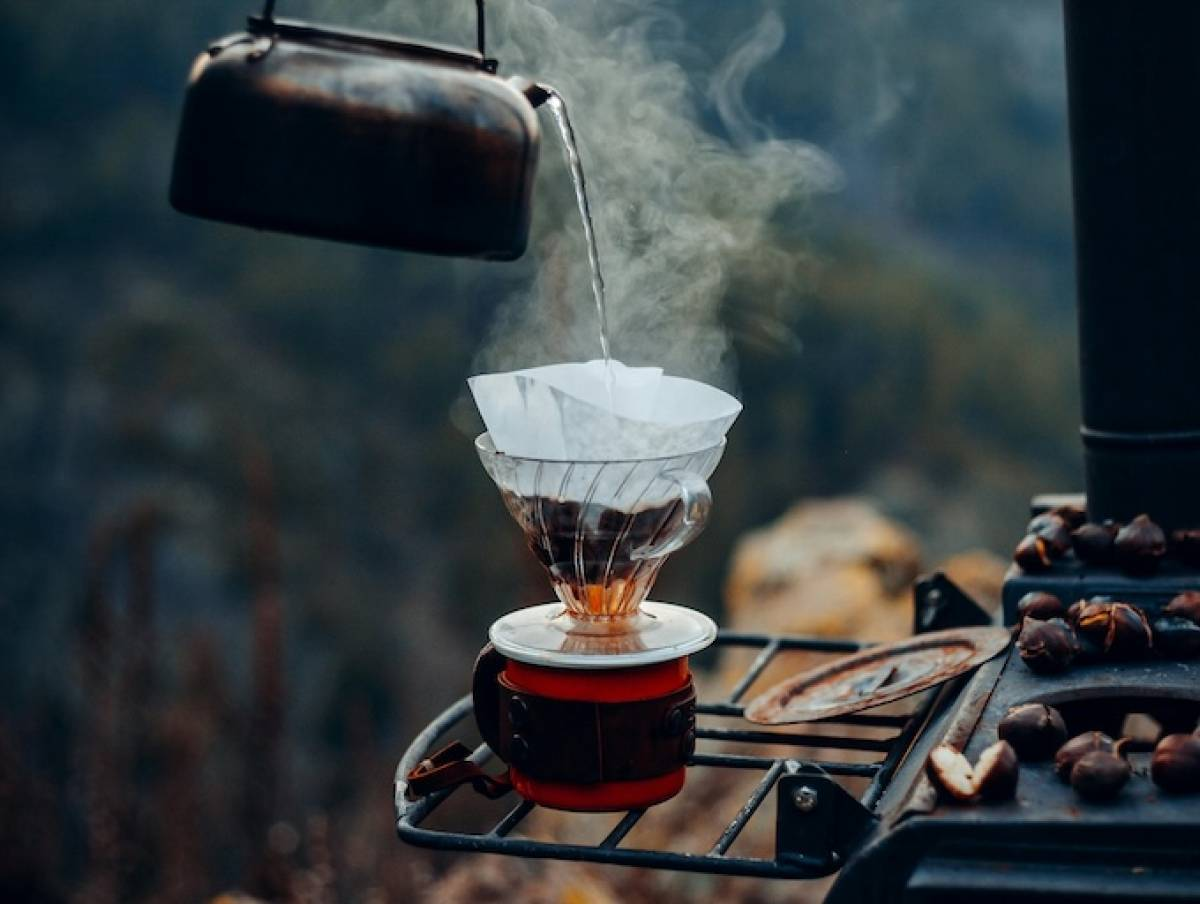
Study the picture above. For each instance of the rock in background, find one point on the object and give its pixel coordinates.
(833, 568)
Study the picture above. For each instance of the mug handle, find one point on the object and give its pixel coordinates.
(695, 498)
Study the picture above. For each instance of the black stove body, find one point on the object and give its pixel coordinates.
(1046, 845)
(1134, 84)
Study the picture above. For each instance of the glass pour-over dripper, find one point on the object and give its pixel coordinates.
(602, 531)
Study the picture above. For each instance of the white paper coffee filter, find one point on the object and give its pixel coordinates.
(562, 412)
(633, 390)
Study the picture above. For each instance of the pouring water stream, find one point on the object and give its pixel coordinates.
(558, 108)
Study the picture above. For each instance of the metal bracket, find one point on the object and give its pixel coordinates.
(938, 603)
(817, 821)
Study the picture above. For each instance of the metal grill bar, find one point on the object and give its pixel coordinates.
(511, 819)
(747, 761)
(423, 744)
(621, 829)
(867, 720)
(810, 644)
(795, 740)
(756, 668)
(743, 816)
(795, 865)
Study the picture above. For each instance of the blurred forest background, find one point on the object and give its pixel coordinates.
(247, 549)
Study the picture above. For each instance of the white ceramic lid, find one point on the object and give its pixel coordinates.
(546, 635)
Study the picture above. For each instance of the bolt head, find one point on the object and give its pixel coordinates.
(805, 798)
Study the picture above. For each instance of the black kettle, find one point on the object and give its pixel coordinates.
(360, 138)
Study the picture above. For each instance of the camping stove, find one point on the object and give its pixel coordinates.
(850, 793)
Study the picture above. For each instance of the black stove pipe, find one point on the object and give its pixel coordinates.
(1133, 74)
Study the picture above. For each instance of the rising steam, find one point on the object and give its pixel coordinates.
(676, 206)
(729, 83)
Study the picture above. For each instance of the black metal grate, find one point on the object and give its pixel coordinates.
(411, 815)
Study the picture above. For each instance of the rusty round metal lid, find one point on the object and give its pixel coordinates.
(876, 675)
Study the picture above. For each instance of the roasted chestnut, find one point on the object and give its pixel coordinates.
(1047, 646)
(1185, 544)
(996, 772)
(1033, 554)
(1070, 515)
(1140, 546)
(1175, 766)
(1034, 730)
(951, 772)
(1041, 606)
(1071, 752)
(1055, 532)
(1090, 649)
(1176, 637)
(1073, 611)
(1095, 544)
(1119, 629)
(1074, 515)
(993, 778)
(1185, 605)
(1041, 520)
(1131, 634)
(1099, 775)
(1139, 730)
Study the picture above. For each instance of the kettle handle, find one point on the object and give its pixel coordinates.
(268, 15)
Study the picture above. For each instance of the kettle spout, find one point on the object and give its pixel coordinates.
(535, 93)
